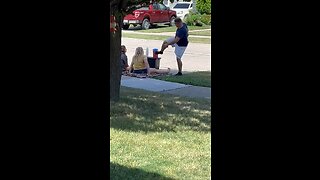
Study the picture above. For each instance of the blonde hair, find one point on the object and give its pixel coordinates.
(139, 53)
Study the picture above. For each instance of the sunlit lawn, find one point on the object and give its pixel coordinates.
(200, 78)
(201, 33)
(159, 136)
(160, 37)
(165, 28)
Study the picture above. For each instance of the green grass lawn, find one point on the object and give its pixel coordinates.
(160, 29)
(143, 36)
(159, 136)
(200, 78)
(201, 33)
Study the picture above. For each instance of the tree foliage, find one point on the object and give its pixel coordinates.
(127, 6)
(203, 6)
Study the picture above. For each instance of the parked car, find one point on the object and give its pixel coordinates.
(183, 9)
(156, 13)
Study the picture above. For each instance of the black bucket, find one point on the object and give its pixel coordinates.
(153, 62)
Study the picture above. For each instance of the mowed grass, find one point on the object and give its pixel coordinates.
(144, 36)
(200, 78)
(159, 136)
(201, 33)
(160, 29)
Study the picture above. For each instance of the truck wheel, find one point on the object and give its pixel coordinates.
(145, 24)
(172, 21)
(126, 26)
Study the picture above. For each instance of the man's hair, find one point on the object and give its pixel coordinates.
(123, 48)
(177, 20)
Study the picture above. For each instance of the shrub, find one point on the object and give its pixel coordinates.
(193, 19)
(206, 19)
(203, 6)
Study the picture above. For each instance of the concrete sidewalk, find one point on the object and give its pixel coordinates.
(155, 85)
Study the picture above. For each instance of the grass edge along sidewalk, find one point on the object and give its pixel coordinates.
(154, 135)
(160, 37)
(160, 29)
(199, 78)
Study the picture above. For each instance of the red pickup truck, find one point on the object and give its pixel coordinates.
(156, 13)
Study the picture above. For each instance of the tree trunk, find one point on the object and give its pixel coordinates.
(115, 66)
(118, 8)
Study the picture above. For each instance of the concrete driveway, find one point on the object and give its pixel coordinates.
(197, 57)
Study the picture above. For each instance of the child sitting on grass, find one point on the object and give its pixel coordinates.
(140, 64)
(124, 60)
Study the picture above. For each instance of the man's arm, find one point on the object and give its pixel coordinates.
(174, 41)
(131, 67)
(126, 61)
(179, 35)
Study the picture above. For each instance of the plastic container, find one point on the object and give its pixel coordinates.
(155, 56)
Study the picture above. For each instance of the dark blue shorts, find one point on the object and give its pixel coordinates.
(140, 71)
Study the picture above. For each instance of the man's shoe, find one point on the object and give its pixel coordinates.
(159, 52)
(179, 74)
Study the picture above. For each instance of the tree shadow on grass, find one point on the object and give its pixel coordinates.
(140, 110)
(118, 172)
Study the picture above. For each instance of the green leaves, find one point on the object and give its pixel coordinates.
(204, 6)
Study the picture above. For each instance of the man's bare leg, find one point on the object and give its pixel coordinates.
(163, 47)
(179, 66)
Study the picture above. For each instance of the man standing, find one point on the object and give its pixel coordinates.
(179, 42)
